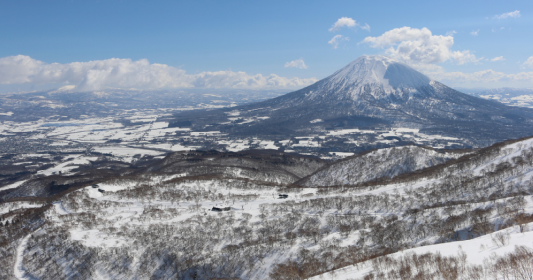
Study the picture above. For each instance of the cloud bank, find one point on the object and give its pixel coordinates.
(481, 77)
(419, 46)
(529, 62)
(125, 73)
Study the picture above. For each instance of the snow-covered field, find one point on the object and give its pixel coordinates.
(69, 163)
(143, 128)
(12, 186)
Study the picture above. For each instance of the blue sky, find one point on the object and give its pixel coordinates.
(251, 44)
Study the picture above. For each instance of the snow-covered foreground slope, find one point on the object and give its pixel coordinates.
(159, 226)
(477, 258)
(382, 163)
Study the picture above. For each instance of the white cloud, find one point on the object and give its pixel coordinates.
(343, 21)
(515, 14)
(365, 27)
(451, 33)
(419, 46)
(462, 57)
(474, 32)
(529, 62)
(125, 73)
(336, 40)
(499, 58)
(348, 22)
(299, 63)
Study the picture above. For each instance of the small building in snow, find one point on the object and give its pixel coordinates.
(220, 208)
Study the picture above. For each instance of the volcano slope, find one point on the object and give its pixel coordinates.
(372, 92)
(157, 224)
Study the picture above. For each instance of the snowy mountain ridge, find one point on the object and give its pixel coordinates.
(383, 163)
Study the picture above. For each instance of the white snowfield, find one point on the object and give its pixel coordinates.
(96, 238)
(127, 153)
(12, 186)
(142, 129)
(71, 163)
(7, 207)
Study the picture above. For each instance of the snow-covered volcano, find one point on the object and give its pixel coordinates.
(382, 75)
(377, 80)
(371, 92)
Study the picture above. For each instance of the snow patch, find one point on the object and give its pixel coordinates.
(96, 238)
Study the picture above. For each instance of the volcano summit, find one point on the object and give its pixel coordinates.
(375, 93)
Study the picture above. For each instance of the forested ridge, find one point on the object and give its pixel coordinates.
(158, 223)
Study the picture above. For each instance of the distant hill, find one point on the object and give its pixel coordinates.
(520, 97)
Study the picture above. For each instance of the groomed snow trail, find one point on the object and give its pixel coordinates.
(19, 270)
(60, 209)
